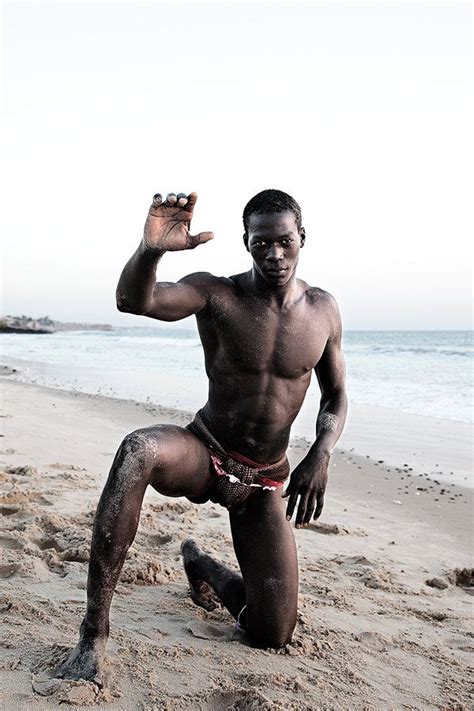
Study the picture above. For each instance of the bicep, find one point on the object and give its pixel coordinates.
(331, 368)
(172, 301)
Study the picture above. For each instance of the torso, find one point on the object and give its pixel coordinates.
(259, 359)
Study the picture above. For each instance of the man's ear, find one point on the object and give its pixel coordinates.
(302, 236)
(246, 241)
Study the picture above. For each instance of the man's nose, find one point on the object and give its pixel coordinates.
(275, 253)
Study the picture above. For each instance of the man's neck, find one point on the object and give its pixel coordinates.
(280, 296)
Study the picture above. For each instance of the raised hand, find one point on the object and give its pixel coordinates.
(167, 224)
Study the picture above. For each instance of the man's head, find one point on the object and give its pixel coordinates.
(273, 235)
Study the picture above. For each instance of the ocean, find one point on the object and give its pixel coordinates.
(419, 372)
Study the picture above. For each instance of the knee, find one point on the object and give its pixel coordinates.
(137, 455)
(140, 444)
(274, 633)
(273, 638)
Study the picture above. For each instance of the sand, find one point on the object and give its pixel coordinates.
(371, 632)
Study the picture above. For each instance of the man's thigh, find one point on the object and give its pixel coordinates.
(181, 464)
(265, 547)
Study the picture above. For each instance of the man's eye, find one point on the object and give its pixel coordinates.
(286, 242)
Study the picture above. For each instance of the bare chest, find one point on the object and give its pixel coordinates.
(247, 335)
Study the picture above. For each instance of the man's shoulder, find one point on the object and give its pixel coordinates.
(205, 280)
(325, 306)
(319, 297)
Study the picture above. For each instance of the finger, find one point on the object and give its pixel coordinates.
(301, 511)
(289, 489)
(309, 509)
(320, 505)
(157, 199)
(200, 238)
(291, 505)
(171, 198)
(182, 199)
(192, 199)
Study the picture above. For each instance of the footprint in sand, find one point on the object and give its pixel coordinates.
(335, 528)
(10, 543)
(437, 583)
(251, 699)
(6, 571)
(8, 510)
(463, 578)
(367, 572)
(26, 470)
(160, 539)
(374, 640)
(429, 615)
(70, 467)
(327, 528)
(71, 544)
(17, 496)
(205, 630)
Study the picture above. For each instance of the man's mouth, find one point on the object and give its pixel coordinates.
(275, 272)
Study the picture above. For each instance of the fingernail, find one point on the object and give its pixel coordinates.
(288, 518)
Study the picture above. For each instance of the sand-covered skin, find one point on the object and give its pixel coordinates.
(371, 633)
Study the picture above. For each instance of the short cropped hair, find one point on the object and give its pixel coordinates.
(271, 201)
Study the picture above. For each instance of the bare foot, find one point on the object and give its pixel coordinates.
(84, 662)
(194, 563)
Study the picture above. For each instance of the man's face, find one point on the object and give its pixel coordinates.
(274, 242)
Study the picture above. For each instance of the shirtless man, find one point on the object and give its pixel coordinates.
(263, 332)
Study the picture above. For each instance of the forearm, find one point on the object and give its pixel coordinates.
(330, 423)
(137, 281)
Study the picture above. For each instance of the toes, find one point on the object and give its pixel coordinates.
(189, 549)
(203, 595)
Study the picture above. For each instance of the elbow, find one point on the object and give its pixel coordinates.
(338, 392)
(126, 307)
(335, 398)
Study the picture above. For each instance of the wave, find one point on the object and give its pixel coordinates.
(413, 350)
(159, 340)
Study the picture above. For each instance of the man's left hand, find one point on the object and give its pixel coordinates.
(308, 481)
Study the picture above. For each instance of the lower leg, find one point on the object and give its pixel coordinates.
(211, 581)
(115, 527)
(266, 552)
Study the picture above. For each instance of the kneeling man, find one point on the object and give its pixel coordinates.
(263, 333)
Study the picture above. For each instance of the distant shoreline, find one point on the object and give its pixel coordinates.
(45, 325)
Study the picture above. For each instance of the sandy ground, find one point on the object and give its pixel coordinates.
(371, 633)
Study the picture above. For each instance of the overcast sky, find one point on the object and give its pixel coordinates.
(362, 111)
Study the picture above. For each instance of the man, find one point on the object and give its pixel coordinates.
(263, 332)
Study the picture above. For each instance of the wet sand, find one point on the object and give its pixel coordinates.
(371, 633)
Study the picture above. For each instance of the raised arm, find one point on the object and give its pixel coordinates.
(309, 479)
(166, 229)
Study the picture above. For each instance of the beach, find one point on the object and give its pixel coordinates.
(385, 575)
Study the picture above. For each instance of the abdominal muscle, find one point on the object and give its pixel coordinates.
(253, 414)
